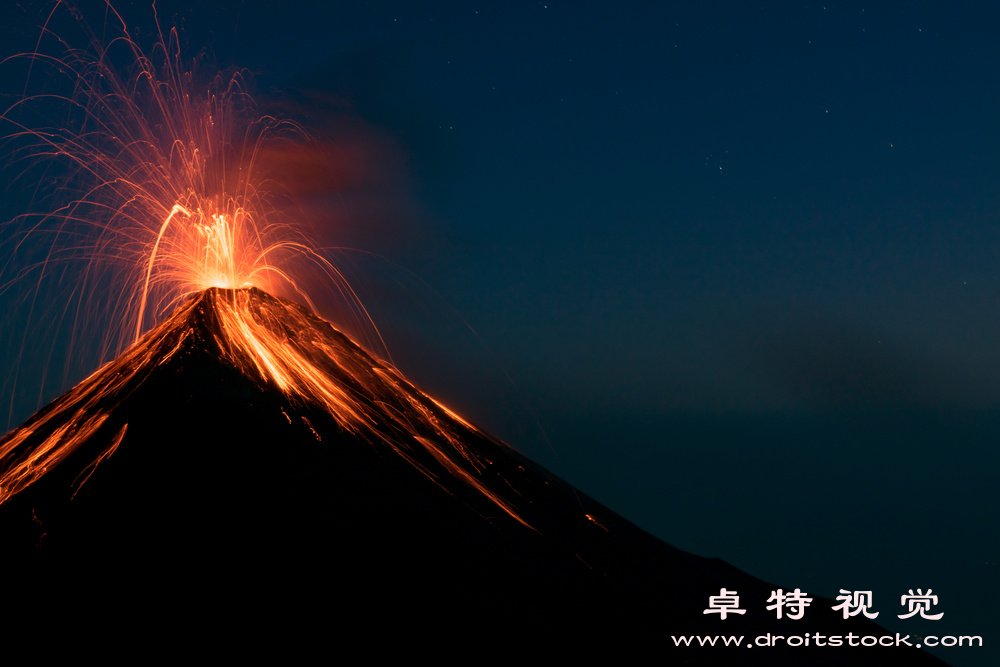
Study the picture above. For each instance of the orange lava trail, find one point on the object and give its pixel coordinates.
(174, 198)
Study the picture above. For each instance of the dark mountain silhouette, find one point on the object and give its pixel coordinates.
(246, 466)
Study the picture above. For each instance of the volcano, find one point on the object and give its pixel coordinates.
(249, 464)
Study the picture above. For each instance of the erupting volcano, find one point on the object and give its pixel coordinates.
(244, 460)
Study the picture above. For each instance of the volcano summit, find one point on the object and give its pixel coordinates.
(251, 463)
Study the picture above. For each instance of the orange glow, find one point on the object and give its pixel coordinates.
(277, 344)
(177, 184)
(178, 215)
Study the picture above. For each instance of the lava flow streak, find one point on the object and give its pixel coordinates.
(178, 215)
(278, 344)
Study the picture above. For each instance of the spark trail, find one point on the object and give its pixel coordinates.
(175, 211)
(173, 188)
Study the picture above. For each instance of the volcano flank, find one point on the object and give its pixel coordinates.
(249, 463)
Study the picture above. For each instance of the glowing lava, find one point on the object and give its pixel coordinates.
(175, 185)
(175, 200)
(274, 343)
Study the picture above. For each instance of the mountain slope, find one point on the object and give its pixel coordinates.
(250, 462)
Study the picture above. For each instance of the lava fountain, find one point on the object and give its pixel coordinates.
(175, 197)
(171, 192)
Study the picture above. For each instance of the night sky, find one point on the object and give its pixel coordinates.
(729, 268)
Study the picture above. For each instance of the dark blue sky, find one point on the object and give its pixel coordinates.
(731, 267)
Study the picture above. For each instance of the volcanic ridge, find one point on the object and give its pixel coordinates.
(248, 462)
